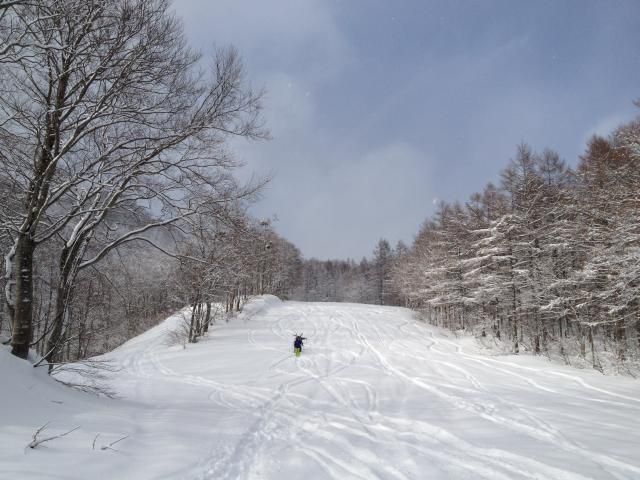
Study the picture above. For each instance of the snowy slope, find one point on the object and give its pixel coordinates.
(376, 394)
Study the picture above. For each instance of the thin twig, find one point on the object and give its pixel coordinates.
(109, 447)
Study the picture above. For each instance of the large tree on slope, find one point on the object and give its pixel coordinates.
(103, 106)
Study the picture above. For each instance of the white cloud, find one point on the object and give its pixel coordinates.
(605, 126)
(349, 130)
(383, 192)
(271, 35)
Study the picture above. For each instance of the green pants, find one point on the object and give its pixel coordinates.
(297, 351)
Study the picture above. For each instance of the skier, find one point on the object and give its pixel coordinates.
(297, 344)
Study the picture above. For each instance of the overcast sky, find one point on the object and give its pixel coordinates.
(379, 108)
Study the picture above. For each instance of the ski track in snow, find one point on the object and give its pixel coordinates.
(332, 413)
(376, 394)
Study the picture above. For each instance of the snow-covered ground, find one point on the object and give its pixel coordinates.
(375, 395)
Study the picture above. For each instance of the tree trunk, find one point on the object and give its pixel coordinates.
(82, 324)
(54, 344)
(43, 343)
(207, 319)
(198, 325)
(23, 314)
(68, 270)
(538, 327)
(193, 312)
(516, 347)
(593, 350)
(621, 340)
(9, 284)
(561, 336)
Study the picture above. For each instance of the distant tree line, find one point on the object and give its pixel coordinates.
(368, 281)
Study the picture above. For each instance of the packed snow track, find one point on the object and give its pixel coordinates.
(376, 394)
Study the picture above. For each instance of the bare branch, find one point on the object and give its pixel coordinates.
(36, 441)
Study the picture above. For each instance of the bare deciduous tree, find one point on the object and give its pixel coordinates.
(104, 108)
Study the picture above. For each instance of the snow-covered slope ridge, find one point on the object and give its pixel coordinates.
(376, 394)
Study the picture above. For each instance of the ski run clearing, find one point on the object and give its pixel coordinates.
(376, 394)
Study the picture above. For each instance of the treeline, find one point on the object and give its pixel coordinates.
(368, 281)
(223, 264)
(136, 286)
(546, 262)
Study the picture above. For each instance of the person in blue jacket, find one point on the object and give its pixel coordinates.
(297, 344)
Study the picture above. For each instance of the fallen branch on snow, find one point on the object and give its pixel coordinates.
(35, 442)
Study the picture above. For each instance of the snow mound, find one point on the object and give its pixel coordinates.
(31, 400)
(154, 334)
(260, 304)
(25, 387)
